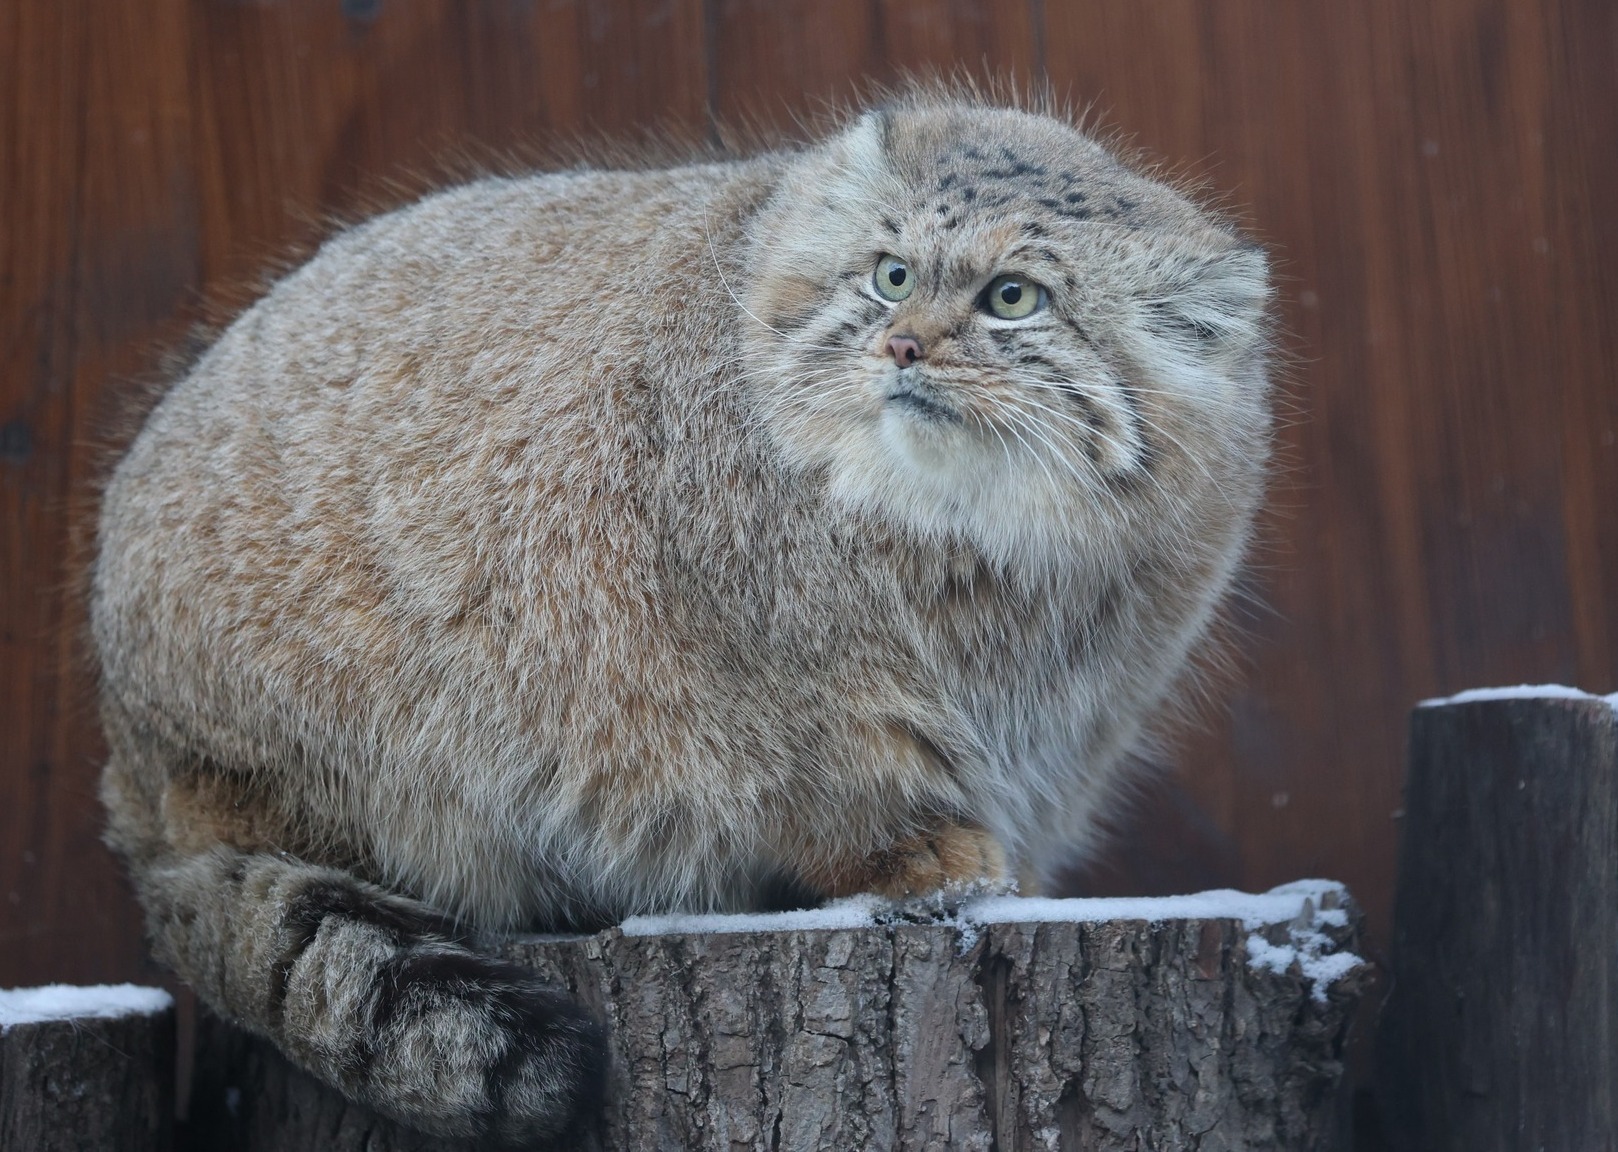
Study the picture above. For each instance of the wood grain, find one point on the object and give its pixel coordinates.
(88, 1082)
(1436, 180)
(1500, 1030)
(99, 252)
(775, 65)
(1108, 1036)
(1429, 177)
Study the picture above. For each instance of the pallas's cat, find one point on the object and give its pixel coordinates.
(583, 544)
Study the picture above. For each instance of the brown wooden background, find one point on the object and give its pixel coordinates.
(1438, 181)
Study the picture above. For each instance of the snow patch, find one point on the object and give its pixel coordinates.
(1311, 951)
(76, 1002)
(1254, 910)
(1303, 907)
(1299, 910)
(1519, 692)
(850, 912)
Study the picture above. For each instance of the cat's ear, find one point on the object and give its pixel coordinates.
(1214, 302)
(864, 142)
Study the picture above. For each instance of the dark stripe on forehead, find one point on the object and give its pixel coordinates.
(1015, 170)
(1033, 251)
(960, 274)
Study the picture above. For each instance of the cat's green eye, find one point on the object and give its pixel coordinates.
(893, 279)
(1013, 297)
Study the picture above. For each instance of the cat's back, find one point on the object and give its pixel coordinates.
(449, 298)
(372, 448)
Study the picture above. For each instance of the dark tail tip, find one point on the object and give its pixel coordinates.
(547, 1090)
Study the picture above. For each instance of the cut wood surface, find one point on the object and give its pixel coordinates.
(1008, 1025)
(86, 1068)
(1501, 1030)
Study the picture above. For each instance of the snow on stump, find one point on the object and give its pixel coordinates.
(86, 1068)
(1210, 1022)
(1501, 1026)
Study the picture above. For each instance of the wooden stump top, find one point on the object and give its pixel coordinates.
(86, 1068)
(1214, 1021)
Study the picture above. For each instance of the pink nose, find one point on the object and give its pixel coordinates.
(905, 350)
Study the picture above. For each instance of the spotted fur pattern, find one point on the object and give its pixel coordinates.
(571, 546)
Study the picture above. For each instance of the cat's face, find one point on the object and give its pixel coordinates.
(977, 322)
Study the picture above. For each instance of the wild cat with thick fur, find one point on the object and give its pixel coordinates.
(577, 545)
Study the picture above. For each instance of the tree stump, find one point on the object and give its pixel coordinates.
(1204, 1022)
(1501, 1027)
(86, 1068)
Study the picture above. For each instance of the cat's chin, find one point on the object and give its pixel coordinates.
(939, 478)
(928, 436)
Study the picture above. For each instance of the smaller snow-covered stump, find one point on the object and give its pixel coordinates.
(85, 1068)
(1212, 1022)
(1501, 1026)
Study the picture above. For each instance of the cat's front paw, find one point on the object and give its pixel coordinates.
(948, 855)
(945, 857)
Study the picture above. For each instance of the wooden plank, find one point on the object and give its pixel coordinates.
(97, 225)
(1429, 178)
(310, 113)
(1501, 1030)
(774, 62)
(1580, 176)
(39, 62)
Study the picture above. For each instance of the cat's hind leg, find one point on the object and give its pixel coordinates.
(369, 991)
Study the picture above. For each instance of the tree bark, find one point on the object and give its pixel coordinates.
(1121, 1034)
(1501, 1028)
(88, 1083)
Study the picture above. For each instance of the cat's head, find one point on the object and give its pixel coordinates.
(976, 321)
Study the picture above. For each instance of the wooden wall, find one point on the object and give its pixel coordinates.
(1438, 182)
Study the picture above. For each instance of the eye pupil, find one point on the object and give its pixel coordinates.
(892, 280)
(1011, 293)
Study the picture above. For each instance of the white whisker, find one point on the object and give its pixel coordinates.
(1151, 425)
(714, 256)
